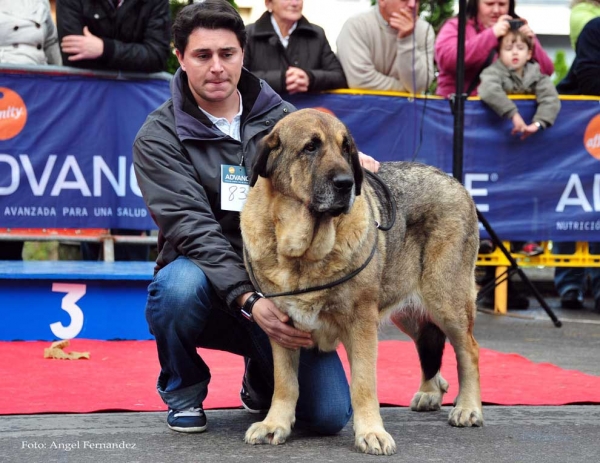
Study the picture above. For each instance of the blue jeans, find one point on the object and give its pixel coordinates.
(184, 313)
(573, 278)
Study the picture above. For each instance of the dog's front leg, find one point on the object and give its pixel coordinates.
(361, 346)
(278, 423)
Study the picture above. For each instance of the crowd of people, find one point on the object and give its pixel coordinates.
(231, 76)
(113, 35)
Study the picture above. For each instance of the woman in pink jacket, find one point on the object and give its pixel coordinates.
(487, 20)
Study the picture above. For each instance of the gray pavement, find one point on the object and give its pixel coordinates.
(510, 434)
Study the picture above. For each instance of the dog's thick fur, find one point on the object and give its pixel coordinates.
(311, 219)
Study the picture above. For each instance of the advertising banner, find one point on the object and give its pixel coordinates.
(66, 150)
(65, 154)
(546, 187)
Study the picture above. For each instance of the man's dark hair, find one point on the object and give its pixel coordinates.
(473, 8)
(209, 14)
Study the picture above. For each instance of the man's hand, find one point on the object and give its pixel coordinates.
(86, 46)
(403, 21)
(296, 80)
(274, 323)
(368, 162)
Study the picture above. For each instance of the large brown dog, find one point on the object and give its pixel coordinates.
(312, 218)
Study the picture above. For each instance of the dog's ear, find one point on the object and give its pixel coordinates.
(261, 163)
(356, 167)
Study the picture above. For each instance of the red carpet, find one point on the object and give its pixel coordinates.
(121, 375)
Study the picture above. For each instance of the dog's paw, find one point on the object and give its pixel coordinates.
(375, 443)
(465, 417)
(267, 433)
(426, 402)
(430, 396)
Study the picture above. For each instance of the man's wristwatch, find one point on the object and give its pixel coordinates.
(539, 125)
(249, 304)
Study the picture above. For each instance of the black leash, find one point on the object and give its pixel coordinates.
(390, 200)
(351, 275)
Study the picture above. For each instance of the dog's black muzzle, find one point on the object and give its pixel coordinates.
(336, 197)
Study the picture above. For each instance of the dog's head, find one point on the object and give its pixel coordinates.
(311, 156)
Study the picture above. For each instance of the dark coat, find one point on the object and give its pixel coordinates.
(308, 49)
(178, 154)
(584, 76)
(136, 36)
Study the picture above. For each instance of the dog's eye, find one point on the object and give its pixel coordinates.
(310, 147)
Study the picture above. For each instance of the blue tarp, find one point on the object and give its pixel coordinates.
(70, 165)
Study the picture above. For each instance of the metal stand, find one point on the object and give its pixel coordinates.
(458, 110)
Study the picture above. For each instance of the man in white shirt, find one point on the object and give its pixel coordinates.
(388, 48)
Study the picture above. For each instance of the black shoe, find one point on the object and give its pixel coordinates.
(572, 299)
(254, 404)
(255, 393)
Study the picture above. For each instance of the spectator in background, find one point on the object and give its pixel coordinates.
(388, 48)
(583, 79)
(487, 21)
(118, 35)
(514, 73)
(27, 33)
(584, 75)
(289, 53)
(27, 37)
(115, 35)
(581, 12)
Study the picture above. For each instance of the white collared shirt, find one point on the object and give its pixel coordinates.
(232, 129)
(284, 40)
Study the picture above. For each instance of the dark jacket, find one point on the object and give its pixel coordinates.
(308, 49)
(178, 155)
(136, 36)
(584, 76)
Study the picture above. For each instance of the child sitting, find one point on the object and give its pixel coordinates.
(514, 73)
